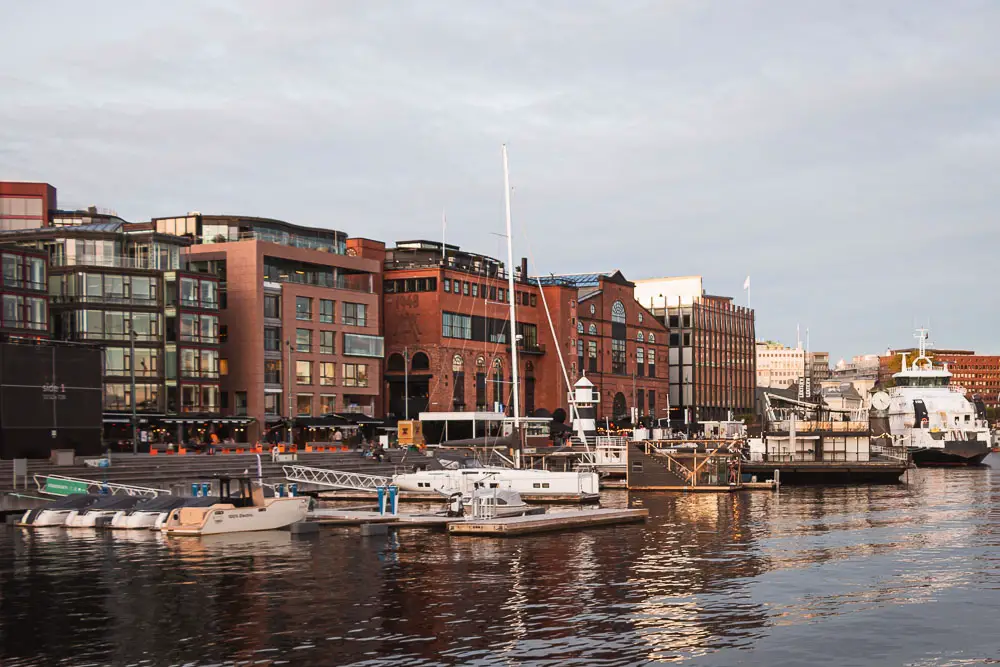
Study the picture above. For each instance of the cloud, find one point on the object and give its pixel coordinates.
(843, 154)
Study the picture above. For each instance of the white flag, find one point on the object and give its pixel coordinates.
(746, 283)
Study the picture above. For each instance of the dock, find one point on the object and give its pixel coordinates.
(527, 525)
(830, 472)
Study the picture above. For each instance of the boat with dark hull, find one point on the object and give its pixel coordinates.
(932, 417)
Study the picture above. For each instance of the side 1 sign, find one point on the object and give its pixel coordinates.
(64, 487)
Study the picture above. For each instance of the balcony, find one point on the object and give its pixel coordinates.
(150, 302)
(111, 261)
(117, 335)
(199, 304)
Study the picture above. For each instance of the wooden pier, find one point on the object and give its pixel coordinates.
(526, 525)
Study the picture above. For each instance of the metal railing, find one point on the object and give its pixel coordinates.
(336, 479)
(73, 485)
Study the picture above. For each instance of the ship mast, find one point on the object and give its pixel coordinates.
(513, 315)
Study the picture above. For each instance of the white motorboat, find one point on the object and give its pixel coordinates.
(526, 482)
(248, 511)
(144, 515)
(56, 513)
(107, 506)
(932, 417)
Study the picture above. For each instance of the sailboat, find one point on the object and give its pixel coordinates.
(581, 485)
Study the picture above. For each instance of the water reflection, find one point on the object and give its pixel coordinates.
(711, 579)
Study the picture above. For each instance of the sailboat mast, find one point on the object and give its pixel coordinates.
(511, 292)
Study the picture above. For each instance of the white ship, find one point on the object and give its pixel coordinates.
(932, 417)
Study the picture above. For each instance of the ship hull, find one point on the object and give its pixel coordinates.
(954, 453)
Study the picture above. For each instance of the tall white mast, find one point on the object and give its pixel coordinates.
(510, 292)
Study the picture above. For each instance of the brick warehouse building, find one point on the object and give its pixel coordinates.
(978, 374)
(446, 321)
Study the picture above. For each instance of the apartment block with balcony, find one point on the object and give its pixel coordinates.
(122, 286)
(300, 318)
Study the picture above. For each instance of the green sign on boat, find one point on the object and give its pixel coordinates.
(64, 487)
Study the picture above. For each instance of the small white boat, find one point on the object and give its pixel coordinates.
(503, 502)
(245, 512)
(107, 506)
(144, 515)
(56, 513)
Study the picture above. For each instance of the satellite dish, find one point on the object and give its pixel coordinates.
(880, 400)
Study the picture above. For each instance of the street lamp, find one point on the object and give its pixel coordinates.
(288, 344)
(131, 363)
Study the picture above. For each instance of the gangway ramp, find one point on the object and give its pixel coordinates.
(60, 485)
(335, 479)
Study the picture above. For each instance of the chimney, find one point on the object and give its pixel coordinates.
(524, 268)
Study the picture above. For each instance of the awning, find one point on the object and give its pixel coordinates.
(207, 420)
(324, 421)
(358, 418)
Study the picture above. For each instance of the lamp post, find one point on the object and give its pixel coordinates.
(131, 363)
(288, 344)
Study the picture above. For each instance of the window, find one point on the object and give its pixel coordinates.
(303, 372)
(303, 405)
(493, 293)
(447, 285)
(458, 381)
(36, 313)
(652, 402)
(652, 363)
(359, 345)
(465, 288)
(674, 321)
(579, 327)
(223, 366)
(239, 403)
(272, 339)
(326, 311)
(651, 337)
(480, 383)
(639, 337)
(534, 300)
(456, 326)
(326, 344)
(355, 375)
(592, 356)
(687, 340)
(355, 314)
(675, 340)
(209, 294)
(618, 365)
(209, 328)
(500, 295)
(640, 363)
(327, 404)
(475, 289)
(189, 292)
(593, 329)
(327, 373)
(116, 361)
(303, 308)
(640, 318)
(593, 309)
(272, 305)
(618, 312)
(579, 354)
(272, 371)
(303, 340)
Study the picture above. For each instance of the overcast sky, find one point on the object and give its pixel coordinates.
(846, 155)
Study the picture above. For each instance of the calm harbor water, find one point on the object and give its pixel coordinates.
(874, 575)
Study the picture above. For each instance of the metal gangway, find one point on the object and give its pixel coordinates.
(60, 485)
(335, 479)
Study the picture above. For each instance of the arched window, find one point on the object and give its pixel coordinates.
(579, 327)
(457, 363)
(420, 362)
(593, 330)
(638, 337)
(651, 337)
(619, 408)
(640, 318)
(480, 361)
(396, 363)
(618, 312)
(499, 395)
(498, 364)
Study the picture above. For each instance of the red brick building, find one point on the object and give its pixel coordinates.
(448, 343)
(25, 205)
(300, 317)
(978, 374)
